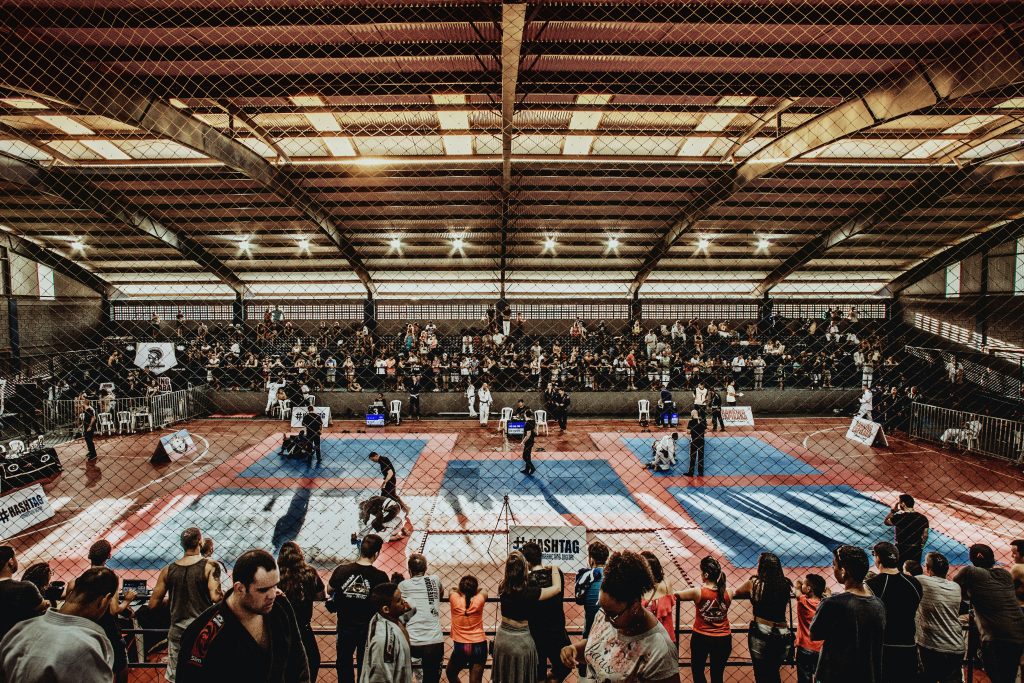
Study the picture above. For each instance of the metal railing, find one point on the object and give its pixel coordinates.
(165, 409)
(997, 437)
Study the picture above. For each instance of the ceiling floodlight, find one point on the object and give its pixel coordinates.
(763, 244)
(549, 244)
(613, 242)
(303, 244)
(703, 243)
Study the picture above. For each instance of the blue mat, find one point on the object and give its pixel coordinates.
(240, 519)
(557, 481)
(726, 456)
(342, 458)
(801, 524)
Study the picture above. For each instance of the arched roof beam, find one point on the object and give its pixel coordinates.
(101, 94)
(83, 193)
(979, 68)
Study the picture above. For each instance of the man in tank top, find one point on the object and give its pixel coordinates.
(190, 585)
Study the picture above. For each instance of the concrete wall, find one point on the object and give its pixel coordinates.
(593, 404)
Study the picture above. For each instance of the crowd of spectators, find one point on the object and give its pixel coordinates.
(836, 350)
(894, 614)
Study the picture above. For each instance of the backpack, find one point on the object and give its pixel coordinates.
(586, 578)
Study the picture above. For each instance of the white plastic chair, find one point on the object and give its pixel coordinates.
(541, 417)
(106, 423)
(506, 415)
(145, 416)
(644, 409)
(124, 421)
(396, 411)
(284, 409)
(969, 438)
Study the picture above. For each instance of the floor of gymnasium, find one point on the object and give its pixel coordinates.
(795, 486)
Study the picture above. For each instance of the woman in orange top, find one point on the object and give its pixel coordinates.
(661, 602)
(712, 635)
(469, 646)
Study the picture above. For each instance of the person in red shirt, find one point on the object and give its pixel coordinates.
(810, 590)
(712, 635)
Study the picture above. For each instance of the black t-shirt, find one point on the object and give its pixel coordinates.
(19, 600)
(385, 466)
(352, 584)
(910, 527)
(547, 616)
(89, 419)
(518, 605)
(901, 594)
(851, 626)
(313, 422)
(530, 431)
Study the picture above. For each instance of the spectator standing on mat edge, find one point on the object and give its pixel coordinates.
(809, 594)
(190, 586)
(65, 645)
(424, 594)
(469, 644)
(351, 584)
(561, 404)
(414, 397)
(484, 399)
(388, 654)
(850, 624)
(301, 584)
(547, 620)
(910, 527)
(716, 411)
(989, 589)
(251, 635)
(19, 600)
(626, 642)
(901, 595)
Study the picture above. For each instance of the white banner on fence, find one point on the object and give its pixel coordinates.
(563, 546)
(737, 416)
(299, 413)
(23, 509)
(866, 432)
(157, 357)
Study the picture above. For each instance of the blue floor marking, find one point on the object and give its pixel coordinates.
(726, 456)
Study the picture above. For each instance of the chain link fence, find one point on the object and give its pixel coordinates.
(447, 228)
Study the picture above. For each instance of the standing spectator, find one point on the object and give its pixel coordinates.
(89, 428)
(712, 635)
(469, 644)
(424, 594)
(716, 411)
(626, 642)
(940, 635)
(350, 587)
(911, 529)
(414, 397)
(1017, 570)
(190, 585)
(769, 638)
(758, 365)
(588, 584)
(251, 635)
(810, 592)
(997, 612)
(661, 600)
(850, 624)
(515, 654)
(697, 427)
(65, 645)
(99, 553)
(547, 619)
(302, 586)
(470, 393)
(561, 403)
(865, 403)
(19, 600)
(484, 399)
(388, 656)
(700, 400)
(529, 438)
(901, 595)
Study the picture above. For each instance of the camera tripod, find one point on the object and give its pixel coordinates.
(505, 515)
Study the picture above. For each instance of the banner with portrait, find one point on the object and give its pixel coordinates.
(157, 357)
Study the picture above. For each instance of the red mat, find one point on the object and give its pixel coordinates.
(248, 416)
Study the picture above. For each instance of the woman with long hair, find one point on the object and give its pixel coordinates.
(515, 655)
(770, 638)
(302, 586)
(712, 635)
(469, 644)
(626, 642)
(660, 600)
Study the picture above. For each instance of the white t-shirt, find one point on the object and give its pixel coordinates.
(423, 593)
(611, 656)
